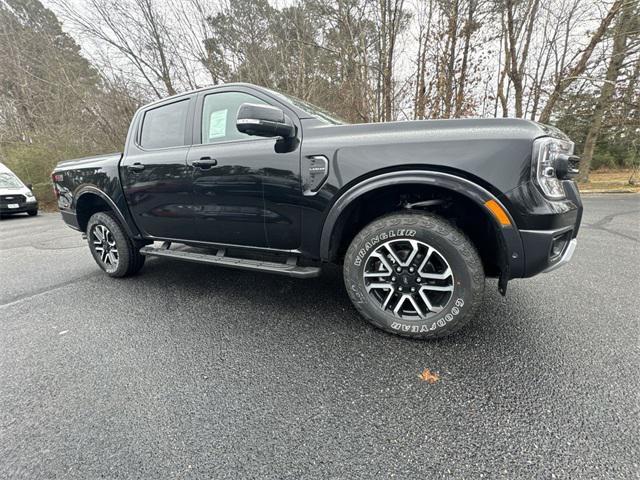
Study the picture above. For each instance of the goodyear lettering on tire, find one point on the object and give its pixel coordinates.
(455, 310)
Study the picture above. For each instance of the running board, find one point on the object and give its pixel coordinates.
(290, 268)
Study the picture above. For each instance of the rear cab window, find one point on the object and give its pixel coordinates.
(164, 126)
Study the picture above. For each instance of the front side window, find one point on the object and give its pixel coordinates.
(219, 114)
(164, 126)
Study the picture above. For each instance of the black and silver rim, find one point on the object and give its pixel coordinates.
(409, 279)
(105, 246)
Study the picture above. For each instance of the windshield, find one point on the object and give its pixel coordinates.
(8, 180)
(312, 110)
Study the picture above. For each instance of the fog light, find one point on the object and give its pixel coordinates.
(558, 245)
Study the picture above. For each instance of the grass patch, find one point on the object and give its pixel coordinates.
(611, 181)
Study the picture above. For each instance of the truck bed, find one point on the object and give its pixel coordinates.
(88, 162)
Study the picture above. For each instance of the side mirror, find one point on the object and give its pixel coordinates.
(264, 121)
(29, 186)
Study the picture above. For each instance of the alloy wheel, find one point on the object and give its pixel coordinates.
(409, 279)
(105, 246)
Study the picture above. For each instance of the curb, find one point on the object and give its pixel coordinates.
(592, 192)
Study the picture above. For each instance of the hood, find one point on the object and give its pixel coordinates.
(451, 129)
(14, 191)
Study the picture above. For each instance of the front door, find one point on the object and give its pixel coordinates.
(154, 172)
(229, 169)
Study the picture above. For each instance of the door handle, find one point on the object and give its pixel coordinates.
(205, 162)
(136, 167)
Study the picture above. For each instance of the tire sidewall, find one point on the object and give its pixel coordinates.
(440, 235)
(122, 243)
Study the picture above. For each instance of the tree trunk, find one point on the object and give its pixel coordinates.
(468, 31)
(618, 54)
(421, 84)
(452, 32)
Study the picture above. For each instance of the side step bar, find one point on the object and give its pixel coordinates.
(290, 268)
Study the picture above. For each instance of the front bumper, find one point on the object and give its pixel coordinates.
(546, 250)
(565, 258)
(22, 208)
(552, 246)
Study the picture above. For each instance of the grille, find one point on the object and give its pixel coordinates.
(12, 199)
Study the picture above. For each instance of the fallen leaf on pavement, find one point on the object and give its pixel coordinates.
(429, 376)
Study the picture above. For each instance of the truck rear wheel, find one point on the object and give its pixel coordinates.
(414, 274)
(111, 247)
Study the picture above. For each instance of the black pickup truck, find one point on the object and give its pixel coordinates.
(417, 212)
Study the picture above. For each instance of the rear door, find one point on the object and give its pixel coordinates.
(230, 172)
(155, 175)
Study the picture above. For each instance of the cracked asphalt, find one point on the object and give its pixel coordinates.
(189, 371)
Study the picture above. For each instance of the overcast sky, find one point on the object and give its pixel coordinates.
(407, 46)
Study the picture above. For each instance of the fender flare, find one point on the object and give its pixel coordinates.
(513, 254)
(89, 189)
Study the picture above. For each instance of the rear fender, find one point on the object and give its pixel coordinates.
(91, 190)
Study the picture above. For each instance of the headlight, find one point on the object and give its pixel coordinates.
(30, 197)
(548, 153)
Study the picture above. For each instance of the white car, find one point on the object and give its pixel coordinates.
(15, 196)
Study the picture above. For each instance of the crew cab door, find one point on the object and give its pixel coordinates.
(154, 172)
(230, 171)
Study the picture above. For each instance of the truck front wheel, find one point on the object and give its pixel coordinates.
(111, 247)
(414, 274)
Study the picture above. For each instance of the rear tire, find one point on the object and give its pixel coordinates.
(415, 275)
(112, 249)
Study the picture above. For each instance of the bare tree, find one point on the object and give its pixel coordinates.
(425, 16)
(390, 15)
(469, 27)
(135, 29)
(519, 24)
(575, 70)
(626, 19)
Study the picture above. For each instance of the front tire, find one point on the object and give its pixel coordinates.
(33, 213)
(111, 247)
(415, 275)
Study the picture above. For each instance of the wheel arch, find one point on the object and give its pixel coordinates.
(90, 200)
(509, 245)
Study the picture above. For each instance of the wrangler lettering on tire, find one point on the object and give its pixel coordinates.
(414, 274)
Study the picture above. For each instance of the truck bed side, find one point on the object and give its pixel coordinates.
(88, 181)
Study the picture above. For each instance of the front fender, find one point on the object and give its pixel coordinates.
(512, 262)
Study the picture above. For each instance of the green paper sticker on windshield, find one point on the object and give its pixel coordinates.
(218, 124)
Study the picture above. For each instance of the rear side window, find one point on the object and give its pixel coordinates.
(164, 126)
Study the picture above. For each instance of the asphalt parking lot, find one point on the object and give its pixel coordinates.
(189, 371)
